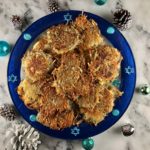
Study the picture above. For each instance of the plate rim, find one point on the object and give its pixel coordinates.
(69, 11)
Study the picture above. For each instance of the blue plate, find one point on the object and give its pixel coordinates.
(127, 84)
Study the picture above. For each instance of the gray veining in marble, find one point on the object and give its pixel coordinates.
(138, 37)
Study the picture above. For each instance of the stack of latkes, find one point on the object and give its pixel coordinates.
(68, 75)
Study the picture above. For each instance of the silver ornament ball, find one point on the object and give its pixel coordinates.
(127, 129)
(144, 89)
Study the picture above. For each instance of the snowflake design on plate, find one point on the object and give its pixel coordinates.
(68, 17)
(12, 78)
(129, 70)
(75, 131)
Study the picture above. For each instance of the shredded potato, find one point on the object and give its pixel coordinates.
(68, 75)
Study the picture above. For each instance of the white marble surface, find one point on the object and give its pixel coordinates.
(138, 36)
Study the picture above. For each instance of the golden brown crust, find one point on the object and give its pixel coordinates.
(55, 112)
(105, 63)
(55, 101)
(68, 73)
(56, 121)
(90, 33)
(83, 87)
(63, 38)
(42, 45)
(29, 93)
(104, 104)
(37, 65)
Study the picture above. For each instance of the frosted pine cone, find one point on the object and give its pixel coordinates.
(22, 137)
(8, 112)
(53, 6)
(18, 22)
(122, 19)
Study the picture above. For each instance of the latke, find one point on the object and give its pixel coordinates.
(36, 65)
(63, 38)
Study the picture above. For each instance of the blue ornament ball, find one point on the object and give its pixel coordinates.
(100, 2)
(4, 48)
(88, 144)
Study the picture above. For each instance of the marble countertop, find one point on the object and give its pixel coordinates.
(138, 37)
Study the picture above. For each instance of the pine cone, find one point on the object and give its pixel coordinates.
(20, 136)
(8, 112)
(17, 22)
(53, 6)
(122, 19)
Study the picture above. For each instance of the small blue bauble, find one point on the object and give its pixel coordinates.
(110, 30)
(88, 144)
(27, 36)
(33, 118)
(4, 48)
(115, 112)
(100, 2)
